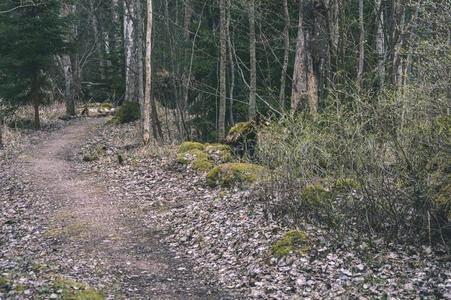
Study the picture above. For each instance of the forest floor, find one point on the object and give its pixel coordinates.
(84, 203)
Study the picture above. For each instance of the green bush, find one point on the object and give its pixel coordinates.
(384, 167)
(127, 112)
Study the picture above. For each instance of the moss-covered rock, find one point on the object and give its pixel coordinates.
(315, 195)
(294, 241)
(219, 152)
(198, 159)
(234, 173)
(242, 137)
(187, 146)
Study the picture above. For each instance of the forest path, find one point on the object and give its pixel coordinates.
(100, 235)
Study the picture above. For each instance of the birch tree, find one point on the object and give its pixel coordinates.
(253, 62)
(148, 62)
(222, 71)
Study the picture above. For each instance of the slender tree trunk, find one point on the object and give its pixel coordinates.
(1, 132)
(232, 65)
(286, 54)
(380, 43)
(67, 69)
(98, 40)
(253, 63)
(361, 46)
(222, 71)
(68, 85)
(299, 87)
(139, 49)
(131, 71)
(399, 43)
(146, 102)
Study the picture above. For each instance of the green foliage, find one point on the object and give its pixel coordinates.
(30, 38)
(127, 112)
(381, 165)
(243, 137)
(234, 173)
(219, 152)
(293, 241)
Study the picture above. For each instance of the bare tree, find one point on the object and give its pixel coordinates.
(222, 71)
(253, 63)
(361, 46)
(380, 43)
(69, 91)
(146, 101)
(286, 53)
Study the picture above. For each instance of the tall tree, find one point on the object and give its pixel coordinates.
(253, 62)
(222, 70)
(286, 54)
(380, 43)
(361, 45)
(69, 90)
(30, 38)
(148, 62)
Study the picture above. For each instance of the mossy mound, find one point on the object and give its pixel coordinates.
(242, 137)
(187, 146)
(219, 152)
(315, 195)
(198, 159)
(127, 112)
(234, 173)
(71, 290)
(293, 241)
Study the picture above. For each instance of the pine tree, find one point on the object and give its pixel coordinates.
(30, 37)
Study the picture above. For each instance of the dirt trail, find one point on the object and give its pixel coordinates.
(104, 233)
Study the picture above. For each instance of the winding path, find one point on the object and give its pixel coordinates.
(104, 235)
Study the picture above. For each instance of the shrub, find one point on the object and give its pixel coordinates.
(127, 112)
(384, 168)
(234, 173)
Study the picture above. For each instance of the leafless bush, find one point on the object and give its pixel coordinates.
(381, 167)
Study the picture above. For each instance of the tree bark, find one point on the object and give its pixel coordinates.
(286, 53)
(131, 71)
(222, 71)
(253, 63)
(380, 43)
(232, 65)
(299, 88)
(67, 70)
(98, 40)
(146, 101)
(361, 46)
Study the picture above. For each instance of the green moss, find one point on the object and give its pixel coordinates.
(293, 241)
(72, 290)
(127, 112)
(346, 185)
(239, 130)
(315, 195)
(106, 105)
(232, 173)
(189, 156)
(187, 146)
(203, 165)
(219, 152)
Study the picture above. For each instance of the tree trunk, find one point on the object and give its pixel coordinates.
(222, 71)
(146, 102)
(131, 72)
(68, 85)
(380, 43)
(1, 132)
(139, 50)
(299, 88)
(286, 53)
(361, 46)
(253, 64)
(399, 42)
(98, 40)
(232, 65)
